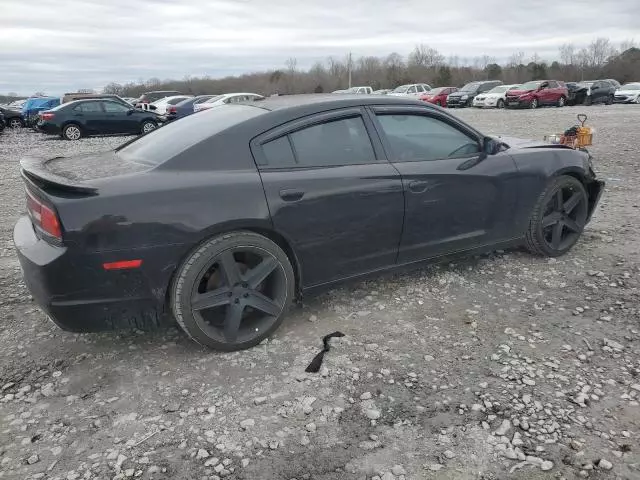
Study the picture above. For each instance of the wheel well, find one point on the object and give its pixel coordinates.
(270, 234)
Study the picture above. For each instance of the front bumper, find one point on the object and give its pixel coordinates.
(625, 99)
(518, 102)
(75, 291)
(457, 102)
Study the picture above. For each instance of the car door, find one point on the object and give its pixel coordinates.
(332, 194)
(412, 91)
(89, 115)
(118, 119)
(456, 197)
(598, 92)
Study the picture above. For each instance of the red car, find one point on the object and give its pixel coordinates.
(438, 96)
(537, 93)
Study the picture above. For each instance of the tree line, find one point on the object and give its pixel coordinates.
(600, 59)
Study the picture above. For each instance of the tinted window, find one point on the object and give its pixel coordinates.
(278, 153)
(412, 89)
(88, 107)
(340, 142)
(164, 143)
(553, 84)
(419, 137)
(113, 107)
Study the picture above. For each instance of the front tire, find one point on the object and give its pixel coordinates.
(558, 217)
(233, 291)
(16, 123)
(534, 104)
(147, 126)
(72, 132)
(500, 103)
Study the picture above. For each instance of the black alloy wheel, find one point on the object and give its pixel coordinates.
(233, 291)
(15, 123)
(558, 218)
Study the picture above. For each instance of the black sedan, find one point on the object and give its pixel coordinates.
(12, 118)
(81, 118)
(221, 219)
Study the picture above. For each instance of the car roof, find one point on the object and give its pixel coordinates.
(327, 101)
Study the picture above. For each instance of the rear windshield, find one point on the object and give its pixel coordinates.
(168, 141)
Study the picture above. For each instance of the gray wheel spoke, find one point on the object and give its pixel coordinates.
(572, 203)
(556, 235)
(232, 321)
(559, 201)
(230, 267)
(258, 274)
(212, 299)
(572, 225)
(551, 219)
(261, 302)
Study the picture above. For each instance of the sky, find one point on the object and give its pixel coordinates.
(56, 46)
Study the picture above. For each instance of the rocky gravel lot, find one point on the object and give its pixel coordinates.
(505, 366)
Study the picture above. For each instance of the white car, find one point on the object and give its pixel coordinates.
(628, 93)
(227, 98)
(357, 90)
(411, 90)
(164, 103)
(494, 98)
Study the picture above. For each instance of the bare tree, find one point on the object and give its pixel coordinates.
(424, 56)
(568, 53)
(599, 51)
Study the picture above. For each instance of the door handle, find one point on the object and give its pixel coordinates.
(291, 194)
(418, 186)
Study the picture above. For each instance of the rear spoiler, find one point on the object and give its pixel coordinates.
(35, 171)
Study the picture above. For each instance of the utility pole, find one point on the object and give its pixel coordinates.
(349, 68)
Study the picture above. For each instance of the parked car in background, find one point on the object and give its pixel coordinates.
(17, 104)
(150, 97)
(162, 104)
(438, 96)
(2, 123)
(415, 90)
(538, 93)
(35, 105)
(12, 117)
(383, 91)
(185, 107)
(360, 90)
(70, 97)
(82, 118)
(494, 98)
(130, 100)
(224, 218)
(225, 99)
(464, 97)
(628, 93)
(594, 91)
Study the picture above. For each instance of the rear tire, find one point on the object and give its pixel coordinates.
(561, 102)
(588, 100)
(242, 267)
(558, 218)
(609, 100)
(72, 132)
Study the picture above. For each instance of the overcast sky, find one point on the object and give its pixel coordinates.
(62, 45)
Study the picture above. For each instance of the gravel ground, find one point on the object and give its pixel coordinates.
(504, 366)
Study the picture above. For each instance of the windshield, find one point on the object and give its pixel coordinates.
(530, 86)
(499, 89)
(630, 86)
(214, 99)
(164, 143)
(401, 89)
(436, 91)
(470, 87)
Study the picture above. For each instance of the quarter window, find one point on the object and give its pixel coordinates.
(420, 137)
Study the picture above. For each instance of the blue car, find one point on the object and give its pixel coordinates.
(35, 105)
(185, 107)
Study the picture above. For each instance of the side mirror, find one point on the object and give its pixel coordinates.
(490, 146)
(131, 111)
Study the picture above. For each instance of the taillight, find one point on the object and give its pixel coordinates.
(43, 217)
(47, 116)
(172, 109)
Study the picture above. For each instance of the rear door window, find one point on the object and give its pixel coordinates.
(88, 107)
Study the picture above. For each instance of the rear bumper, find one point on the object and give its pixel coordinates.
(78, 295)
(48, 128)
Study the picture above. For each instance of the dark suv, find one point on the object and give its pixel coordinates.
(594, 91)
(150, 97)
(464, 97)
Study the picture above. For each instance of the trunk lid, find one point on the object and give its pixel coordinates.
(77, 173)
